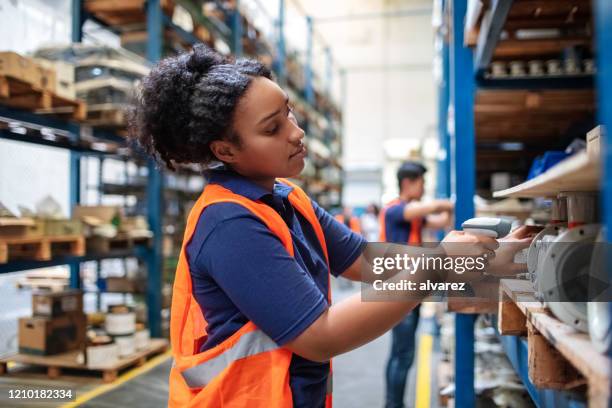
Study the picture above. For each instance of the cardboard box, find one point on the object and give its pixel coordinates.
(54, 304)
(64, 77)
(593, 139)
(46, 78)
(125, 285)
(46, 336)
(23, 68)
(102, 356)
(20, 227)
(103, 213)
(63, 227)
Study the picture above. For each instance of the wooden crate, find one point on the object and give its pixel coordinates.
(68, 361)
(107, 115)
(123, 12)
(23, 95)
(122, 241)
(40, 248)
(559, 356)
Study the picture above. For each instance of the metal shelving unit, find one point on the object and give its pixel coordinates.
(156, 23)
(466, 70)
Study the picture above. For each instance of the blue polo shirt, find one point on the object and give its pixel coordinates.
(397, 229)
(241, 271)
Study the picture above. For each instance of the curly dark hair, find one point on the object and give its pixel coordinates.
(188, 101)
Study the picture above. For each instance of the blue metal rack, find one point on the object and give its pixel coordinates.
(156, 21)
(464, 76)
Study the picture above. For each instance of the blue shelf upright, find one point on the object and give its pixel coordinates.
(603, 31)
(155, 208)
(75, 157)
(463, 165)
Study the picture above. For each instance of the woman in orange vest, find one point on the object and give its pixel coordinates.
(252, 323)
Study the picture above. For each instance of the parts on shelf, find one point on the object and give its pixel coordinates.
(552, 68)
(598, 309)
(564, 276)
(559, 258)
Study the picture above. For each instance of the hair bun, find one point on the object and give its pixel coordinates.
(202, 59)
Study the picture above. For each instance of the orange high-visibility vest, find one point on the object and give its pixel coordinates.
(248, 369)
(354, 224)
(415, 225)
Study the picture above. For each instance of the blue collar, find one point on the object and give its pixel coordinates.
(241, 185)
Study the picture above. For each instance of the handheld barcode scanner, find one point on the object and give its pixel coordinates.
(489, 226)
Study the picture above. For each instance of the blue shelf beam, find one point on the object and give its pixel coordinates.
(490, 29)
(186, 36)
(603, 31)
(308, 89)
(139, 251)
(463, 162)
(329, 73)
(279, 63)
(443, 188)
(237, 30)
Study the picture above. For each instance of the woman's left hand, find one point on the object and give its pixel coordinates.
(503, 263)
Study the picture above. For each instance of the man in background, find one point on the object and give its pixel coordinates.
(402, 222)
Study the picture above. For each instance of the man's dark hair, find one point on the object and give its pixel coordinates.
(411, 170)
(188, 101)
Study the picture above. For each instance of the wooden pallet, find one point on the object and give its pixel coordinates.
(20, 94)
(53, 285)
(68, 361)
(123, 12)
(107, 116)
(559, 356)
(485, 302)
(41, 248)
(100, 245)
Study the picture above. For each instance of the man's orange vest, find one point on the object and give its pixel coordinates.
(248, 369)
(415, 225)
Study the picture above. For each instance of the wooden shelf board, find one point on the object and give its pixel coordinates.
(577, 173)
(575, 346)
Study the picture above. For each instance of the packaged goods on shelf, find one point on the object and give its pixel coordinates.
(124, 285)
(20, 227)
(52, 335)
(141, 339)
(77, 52)
(102, 355)
(27, 70)
(126, 344)
(118, 324)
(55, 304)
(64, 77)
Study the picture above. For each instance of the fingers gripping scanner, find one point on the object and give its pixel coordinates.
(488, 226)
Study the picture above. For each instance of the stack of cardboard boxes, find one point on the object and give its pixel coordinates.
(57, 325)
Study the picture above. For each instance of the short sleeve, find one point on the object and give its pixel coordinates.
(256, 272)
(343, 245)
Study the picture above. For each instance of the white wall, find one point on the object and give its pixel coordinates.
(390, 96)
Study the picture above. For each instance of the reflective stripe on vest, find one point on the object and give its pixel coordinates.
(250, 344)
